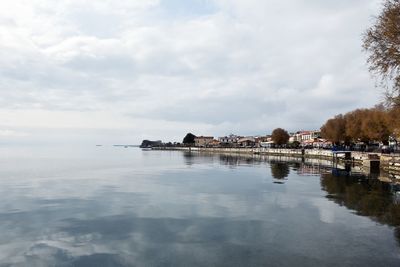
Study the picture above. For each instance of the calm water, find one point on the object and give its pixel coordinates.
(107, 206)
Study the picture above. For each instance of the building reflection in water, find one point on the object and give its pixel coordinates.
(230, 160)
(238, 160)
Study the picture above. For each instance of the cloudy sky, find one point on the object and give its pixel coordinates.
(120, 71)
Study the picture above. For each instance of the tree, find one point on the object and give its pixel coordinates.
(280, 136)
(335, 129)
(354, 125)
(368, 125)
(375, 126)
(382, 43)
(148, 143)
(394, 121)
(189, 139)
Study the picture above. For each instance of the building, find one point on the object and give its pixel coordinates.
(260, 139)
(303, 136)
(292, 137)
(247, 142)
(229, 140)
(203, 141)
(214, 143)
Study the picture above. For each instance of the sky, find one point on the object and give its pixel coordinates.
(118, 72)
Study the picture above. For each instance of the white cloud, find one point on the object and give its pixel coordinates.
(217, 66)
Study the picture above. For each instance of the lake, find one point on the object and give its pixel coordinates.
(116, 206)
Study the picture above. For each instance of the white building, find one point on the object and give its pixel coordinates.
(304, 136)
(231, 139)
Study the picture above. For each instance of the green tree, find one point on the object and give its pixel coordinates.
(280, 136)
(382, 43)
(189, 139)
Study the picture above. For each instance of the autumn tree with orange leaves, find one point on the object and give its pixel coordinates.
(365, 125)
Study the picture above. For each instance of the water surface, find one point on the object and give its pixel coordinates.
(108, 206)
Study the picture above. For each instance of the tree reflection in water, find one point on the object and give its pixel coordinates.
(189, 158)
(368, 197)
(279, 170)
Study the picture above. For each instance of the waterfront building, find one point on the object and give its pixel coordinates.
(267, 144)
(203, 141)
(261, 139)
(304, 136)
(247, 141)
(215, 143)
(292, 137)
(230, 140)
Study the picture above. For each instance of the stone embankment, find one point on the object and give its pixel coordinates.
(389, 163)
(311, 153)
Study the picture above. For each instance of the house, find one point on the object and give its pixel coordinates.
(229, 140)
(203, 141)
(260, 139)
(247, 142)
(303, 136)
(292, 138)
(215, 143)
(267, 144)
